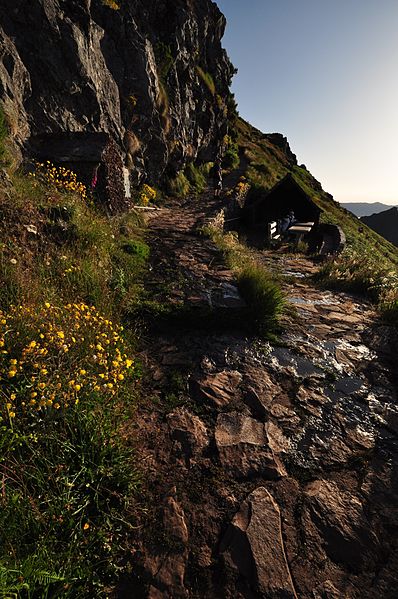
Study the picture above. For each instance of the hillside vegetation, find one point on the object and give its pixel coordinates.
(369, 264)
(68, 382)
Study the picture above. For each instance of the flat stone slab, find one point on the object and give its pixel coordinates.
(253, 544)
(243, 447)
(340, 519)
(217, 389)
(189, 431)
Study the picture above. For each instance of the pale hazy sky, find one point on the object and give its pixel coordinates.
(323, 73)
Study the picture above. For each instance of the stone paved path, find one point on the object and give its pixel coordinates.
(272, 469)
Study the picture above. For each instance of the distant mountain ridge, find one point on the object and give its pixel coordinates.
(385, 223)
(365, 208)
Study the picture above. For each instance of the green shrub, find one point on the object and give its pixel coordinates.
(231, 158)
(164, 60)
(137, 248)
(389, 312)
(264, 297)
(196, 178)
(179, 186)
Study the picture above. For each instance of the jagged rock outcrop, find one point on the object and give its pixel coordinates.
(150, 73)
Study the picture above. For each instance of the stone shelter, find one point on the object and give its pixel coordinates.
(94, 157)
(287, 195)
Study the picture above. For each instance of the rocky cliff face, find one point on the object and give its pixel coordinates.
(151, 73)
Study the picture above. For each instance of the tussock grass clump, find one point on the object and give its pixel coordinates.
(196, 177)
(179, 186)
(362, 274)
(258, 287)
(263, 296)
(236, 255)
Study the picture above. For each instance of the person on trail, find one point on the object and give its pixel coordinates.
(287, 221)
(217, 179)
(94, 179)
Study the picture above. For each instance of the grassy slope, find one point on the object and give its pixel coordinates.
(68, 274)
(268, 164)
(369, 263)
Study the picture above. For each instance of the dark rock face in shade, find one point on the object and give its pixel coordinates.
(135, 73)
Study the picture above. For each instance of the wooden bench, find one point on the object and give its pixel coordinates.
(298, 230)
(273, 234)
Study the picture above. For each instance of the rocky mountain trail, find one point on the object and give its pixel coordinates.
(271, 467)
(187, 267)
